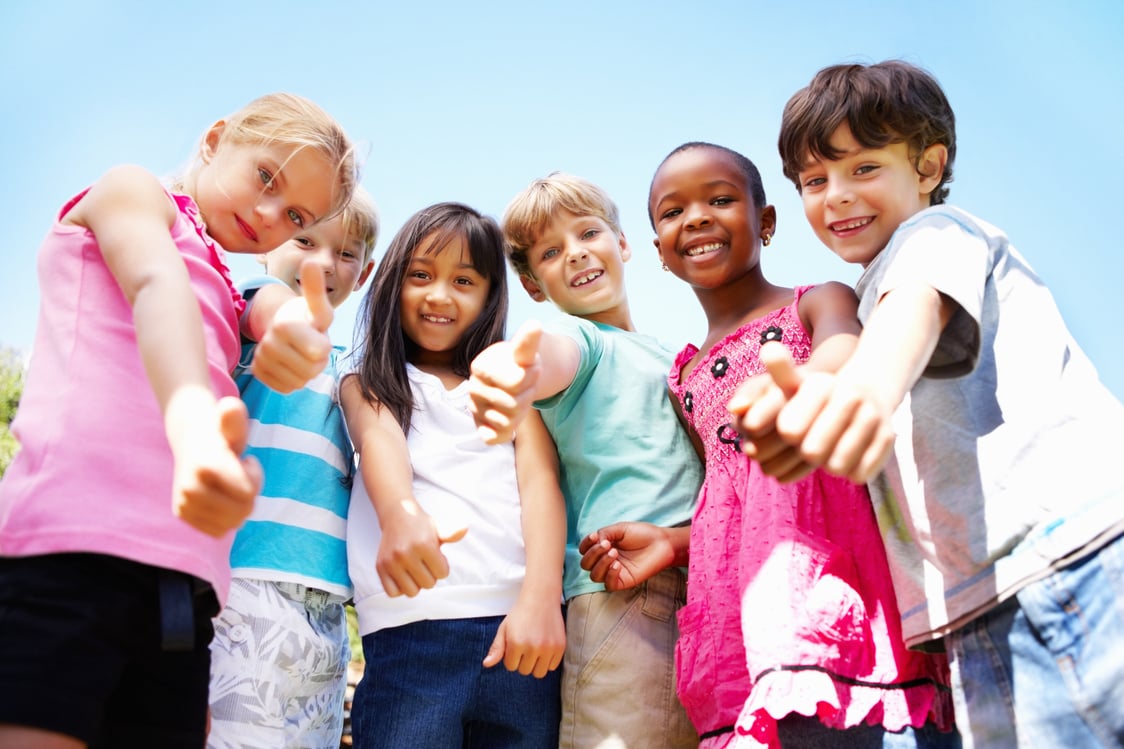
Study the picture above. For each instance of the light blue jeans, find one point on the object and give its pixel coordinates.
(1046, 668)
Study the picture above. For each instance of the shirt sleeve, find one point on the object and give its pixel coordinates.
(945, 250)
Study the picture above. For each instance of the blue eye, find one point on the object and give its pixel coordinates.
(295, 217)
(550, 253)
(265, 177)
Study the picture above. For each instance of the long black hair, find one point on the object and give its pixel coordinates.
(382, 348)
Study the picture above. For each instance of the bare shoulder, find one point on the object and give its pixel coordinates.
(830, 306)
(127, 189)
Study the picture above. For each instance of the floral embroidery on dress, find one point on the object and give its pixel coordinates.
(724, 435)
(771, 333)
(719, 367)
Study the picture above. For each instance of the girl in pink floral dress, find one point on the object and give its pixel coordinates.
(790, 635)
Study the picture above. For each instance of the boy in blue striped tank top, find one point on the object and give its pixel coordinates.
(280, 653)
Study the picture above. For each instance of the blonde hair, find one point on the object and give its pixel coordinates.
(292, 120)
(360, 219)
(529, 212)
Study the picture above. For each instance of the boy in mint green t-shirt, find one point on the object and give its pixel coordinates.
(600, 387)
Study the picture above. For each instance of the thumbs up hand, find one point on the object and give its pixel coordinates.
(296, 347)
(502, 383)
(756, 406)
(213, 487)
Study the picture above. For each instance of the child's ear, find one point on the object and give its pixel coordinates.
(532, 287)
(364, 275)
(768, 222)
(930, 165)
(626, 251)
(211, 141)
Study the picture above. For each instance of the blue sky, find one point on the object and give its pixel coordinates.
(471, 101)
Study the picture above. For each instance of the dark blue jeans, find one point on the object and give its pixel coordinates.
(424, 686)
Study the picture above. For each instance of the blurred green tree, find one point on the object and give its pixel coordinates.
(12, 371)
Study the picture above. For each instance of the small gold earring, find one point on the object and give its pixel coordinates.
(766, 239)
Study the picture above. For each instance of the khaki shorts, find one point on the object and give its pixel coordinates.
(618, 674)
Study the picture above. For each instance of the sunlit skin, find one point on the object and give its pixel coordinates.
(441, 297)
(578, 263)
(253, 198)
(326, 245)
(856, 202)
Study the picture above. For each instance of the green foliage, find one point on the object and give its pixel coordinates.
(11, 388)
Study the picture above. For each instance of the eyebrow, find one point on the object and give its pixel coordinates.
(708, 185)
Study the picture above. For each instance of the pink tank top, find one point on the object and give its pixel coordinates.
(94, 470)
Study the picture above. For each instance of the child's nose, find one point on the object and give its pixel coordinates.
(437, 293)
(268, 210)
(576, 251)
(838, 193)
(697, 219)
(325, 257)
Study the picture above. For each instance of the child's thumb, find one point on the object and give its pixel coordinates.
(451, 536)
(496, 651)
(778, 363)
(234, 423)
(314, 289)
(525, 344)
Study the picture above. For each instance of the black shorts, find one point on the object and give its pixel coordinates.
(109, 651)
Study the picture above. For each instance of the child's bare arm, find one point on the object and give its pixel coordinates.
(291, 330)
(130, 215)
(843, 421)
(507, 377)
(532, 638)
(409, 556)
(830, 313)
(625, 554)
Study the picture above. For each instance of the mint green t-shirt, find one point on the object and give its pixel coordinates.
(623, 452)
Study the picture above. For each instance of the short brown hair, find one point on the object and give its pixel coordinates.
(887, 102)
(531, 210)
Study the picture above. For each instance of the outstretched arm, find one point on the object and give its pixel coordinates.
(830, 313)
(532, 637)
(130, 215)
(625, 554)
(843, 421)
(291, 330)
(507, 377)
(409, 557)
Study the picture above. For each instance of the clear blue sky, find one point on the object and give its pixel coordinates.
(470, 101)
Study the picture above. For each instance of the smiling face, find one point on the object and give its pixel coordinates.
(856, 202)
(254, 198)
(442, 295)
(577, 262)
(708, 230)
(327, 244)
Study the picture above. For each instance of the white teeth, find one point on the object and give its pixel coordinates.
(437, 318)
(847, 225)
(703, 249)
(583, 280)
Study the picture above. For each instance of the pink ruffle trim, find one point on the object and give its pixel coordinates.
(838, 705)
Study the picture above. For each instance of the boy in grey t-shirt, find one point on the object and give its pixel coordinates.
(1000, 506)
